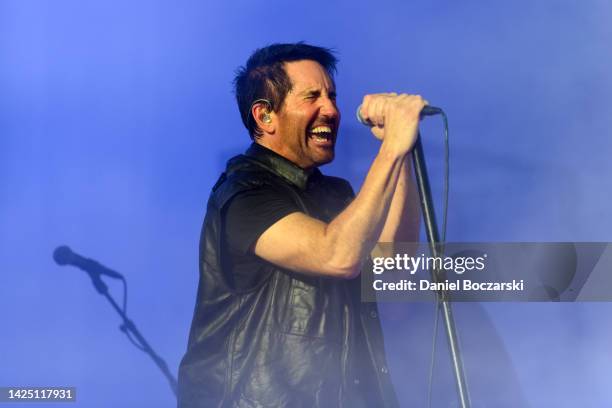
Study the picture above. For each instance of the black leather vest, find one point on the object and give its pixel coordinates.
(292, 340)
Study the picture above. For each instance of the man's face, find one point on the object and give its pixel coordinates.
(308, 120)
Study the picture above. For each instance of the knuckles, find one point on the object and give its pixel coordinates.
(383, 104)
(366, 100)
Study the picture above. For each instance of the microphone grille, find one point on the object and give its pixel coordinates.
(62, 255)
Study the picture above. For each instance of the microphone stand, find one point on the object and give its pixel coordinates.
(429, 219)
(129, 327)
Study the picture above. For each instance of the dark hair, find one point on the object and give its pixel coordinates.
(264, 76)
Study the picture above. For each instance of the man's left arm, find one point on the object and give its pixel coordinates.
(404, 217)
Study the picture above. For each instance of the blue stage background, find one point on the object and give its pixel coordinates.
(117, 117)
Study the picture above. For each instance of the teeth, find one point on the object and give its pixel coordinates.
(321, 129)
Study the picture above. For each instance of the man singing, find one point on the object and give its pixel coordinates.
(279, 321)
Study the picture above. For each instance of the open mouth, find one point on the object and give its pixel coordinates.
(322, 135)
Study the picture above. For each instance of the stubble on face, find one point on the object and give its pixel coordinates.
(308, 119)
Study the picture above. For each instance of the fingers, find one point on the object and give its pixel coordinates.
(378, 111)
(395, 118)
(376, 107)
(373, 107)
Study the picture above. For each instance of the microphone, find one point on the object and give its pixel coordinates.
(426, 111)
(63, 255)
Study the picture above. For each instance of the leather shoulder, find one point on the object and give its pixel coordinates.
(242, 174)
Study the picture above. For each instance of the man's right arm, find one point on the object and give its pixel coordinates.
(306, 245)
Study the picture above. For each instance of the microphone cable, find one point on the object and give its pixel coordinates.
(122, 327)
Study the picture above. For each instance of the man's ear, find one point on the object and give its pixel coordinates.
(264, 117)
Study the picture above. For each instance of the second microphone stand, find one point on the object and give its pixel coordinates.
(129, 327)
